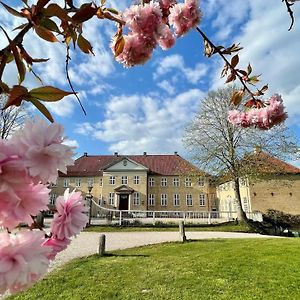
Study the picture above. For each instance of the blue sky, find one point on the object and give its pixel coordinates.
(146, 108)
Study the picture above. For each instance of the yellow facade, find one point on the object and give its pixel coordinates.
(280, 192)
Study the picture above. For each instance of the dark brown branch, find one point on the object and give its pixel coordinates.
(226, 61)
(68, 58)
(291, 13)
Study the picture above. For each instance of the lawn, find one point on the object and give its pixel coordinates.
(208, 269)
(227, 227)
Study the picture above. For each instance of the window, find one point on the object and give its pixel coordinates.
(202, 199)
(100, 199)
(189, 200)
(245, 204)
(151, 181)
(136, 198)
(164, 181)
(163, 200)
(188, 181)
(78, 182)
(53, 184)
(242, 181)
(151, 200)
(175, 181)
(201, 181)
(100, 181)
(136, 179)
(52, 199)
(111, 199)
(90, 181)
(124, 179)
(176, 200)
(112, 180)
(66, 182)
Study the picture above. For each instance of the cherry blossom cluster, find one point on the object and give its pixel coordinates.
(29, 161)
(262, 118)
(149, 26)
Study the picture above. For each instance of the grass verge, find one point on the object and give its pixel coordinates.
(225, 227)
(208, 269)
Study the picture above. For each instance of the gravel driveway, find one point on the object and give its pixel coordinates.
(86, 243)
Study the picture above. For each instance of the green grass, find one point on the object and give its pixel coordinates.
(209, 269)
(228, 227)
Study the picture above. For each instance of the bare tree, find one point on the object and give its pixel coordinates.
(11, 119)
(220, 148)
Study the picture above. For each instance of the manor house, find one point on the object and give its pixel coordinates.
(139, 182)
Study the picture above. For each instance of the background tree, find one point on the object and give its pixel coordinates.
(220, 147)
(12, 118)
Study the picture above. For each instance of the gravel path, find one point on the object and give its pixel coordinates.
(86, 243)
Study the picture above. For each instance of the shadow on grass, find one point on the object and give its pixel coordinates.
(124, 255)
(217, 240)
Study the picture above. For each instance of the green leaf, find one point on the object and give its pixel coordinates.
(49, 24)
(42, 108)
(48, 93)
(113, 11)
(84, 45)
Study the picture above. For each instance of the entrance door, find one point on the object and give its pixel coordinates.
(123, 203)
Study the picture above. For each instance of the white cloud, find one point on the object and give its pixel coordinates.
(71, 143)
(167, 86)
(272, 51)
(138, 123)
(176, 62)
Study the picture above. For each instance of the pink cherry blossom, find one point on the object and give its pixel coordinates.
(19, 204)
(166, 39)
(137, 50)
(70, 218)
(40, 145)
(56, 246)
(184, 16)
(165, 5)
(143, 19)
(23, 260)
(262, 118)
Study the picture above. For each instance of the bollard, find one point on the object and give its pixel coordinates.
(182, 231)
(101, 245)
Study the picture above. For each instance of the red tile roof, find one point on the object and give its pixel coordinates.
(93, 165)
(266, 163)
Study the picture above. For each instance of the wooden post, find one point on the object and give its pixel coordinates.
(182, 231)
(102, 245)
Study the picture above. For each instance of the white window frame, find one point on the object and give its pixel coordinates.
(163, 199)
(176, 181)
(78, 182)
(189, 200)
(52, 199)
(176, 199)
(151, 200)
(90, 181)
(136, 179)
(151, 181)
(66, 182)
(188, 182)
(164, 181)
(136, 198)
(111, 199)
(124, 179)
(202, 199)
(112, 180)
(201, 181)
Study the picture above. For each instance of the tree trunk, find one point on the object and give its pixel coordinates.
(241, 215)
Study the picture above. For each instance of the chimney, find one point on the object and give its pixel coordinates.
(175, 153)
(145, 153)
(85, 154)
(116, 154)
